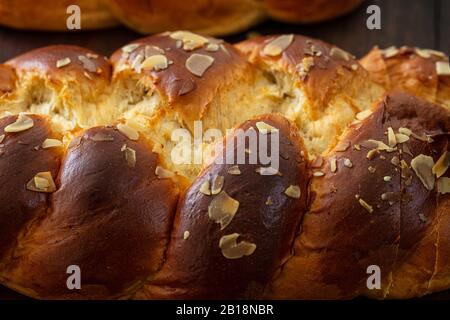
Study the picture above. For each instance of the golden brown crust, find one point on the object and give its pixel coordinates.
(412, 70)
(36, 15)
(100, 198)
(307, 11)
(7, 79)
(266, 216)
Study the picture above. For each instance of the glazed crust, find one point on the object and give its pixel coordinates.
(139, 225)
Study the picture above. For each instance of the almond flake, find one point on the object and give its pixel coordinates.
(443, 68)
(265, 128)
(197, 64)
(152, 51)
(269, 201)
(293, 192)
(22, 123)
(100, 136)
(51, 143)
(212, 47)
(348, 163)
(42, 182)
(392, 141)
(162, 173)
(267, 171)
(342, 146)
(156, 62)
(422, 166)
(130, 47)
(2, 137)
(130, 157)
(186, 235)
(339, 54)
(128, 132)
(222, 209)
(443, 185)
(442, 164)
(217, 184)
(63, 62)
(233, 250)
(278, 45)
(390, 52)
(363, 114)
(333, 164)
(87, 64)
(234, 170)
(365, 205)
(387, 178)
(191, 41)
(318, 174)
(401, 138)
(205, 188)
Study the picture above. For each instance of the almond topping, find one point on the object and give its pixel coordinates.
(197, 64)
(205, 188)
(156, 62)
(51, 143)
(233, 250)
(2, 137)
(88, 64)
(333, 164)
(234, 170)
(401, 138)
(62, 62)
(342, 146)
(278, 45)
(42, 182)
(442, 164)
(265, 128)
(162, 173)
(390, 52)
(443, 68)
(363, 114)
(443, 185)
(318, 174)
(293, 192)
(212, 47)
(130, 157)
(387, 178)
(127, 131)
(22, 123)
(422, 166)
(100, 136)
(267, 171)
(222, 209)
(217, 184)
(186, 235)
(392, 141)
(130, 47)
(405, 131)
(340, 54)
(348, 163)
(365, 205)
(190, 40)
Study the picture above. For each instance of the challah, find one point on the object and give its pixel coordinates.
(214, 17)
(88, 174)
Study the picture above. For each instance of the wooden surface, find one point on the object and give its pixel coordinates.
(422, 23)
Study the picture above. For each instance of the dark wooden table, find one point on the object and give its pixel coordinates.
(421, 23)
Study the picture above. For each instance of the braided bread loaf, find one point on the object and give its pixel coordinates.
(214, 17)
(88, 174)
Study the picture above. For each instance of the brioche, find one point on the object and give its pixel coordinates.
(90, 174)
(213, 17)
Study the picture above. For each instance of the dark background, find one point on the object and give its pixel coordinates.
(421, 23)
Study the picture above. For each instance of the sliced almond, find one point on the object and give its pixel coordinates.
(51, 143)
(130, 47)
(318, 174)
(191, 41)
(136, 63)
(265, 128)
(197, 64)
(443, 68)
(128, 132)
(63, 62)
(339, 54)
(392, 140)
(217, 184)
(422, 166)
(342, 146)
(405, 131)
(233, 250)
(365, 205)
(363, 114)
(22, 123)
(443, 185)
(212, 47)
(88, 64)
(278, 45)
(267, 171)
(152, 51)
(162, 173)
(293, 192)
(130, 157)
(401, 138)
(348, 163)
(205, 188)
(156, 62)
(234, 170)
(222, 209)
(100, 136)
(2, 137)
(442, 164)
(333, 164)
(186, 235)
(390, 52)
(387, 178)
(42, 182)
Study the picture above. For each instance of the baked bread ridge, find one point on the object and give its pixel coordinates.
(111, 121)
